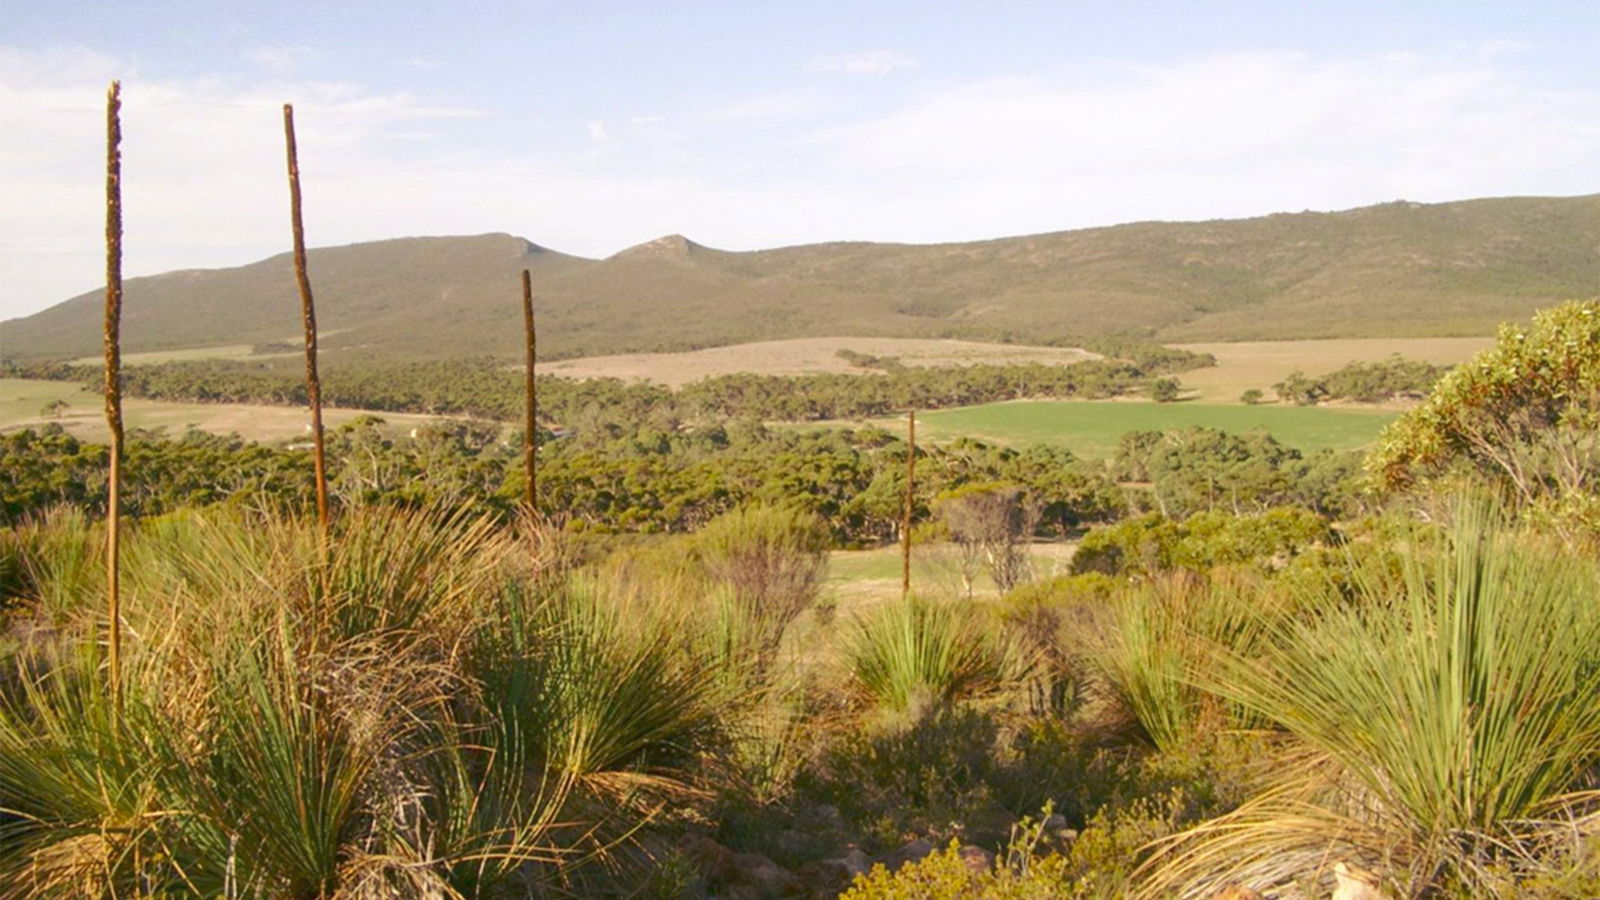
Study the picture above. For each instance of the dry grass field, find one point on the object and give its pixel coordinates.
(1260, 364)
(802, 356)
(154, 357)
(22, 403)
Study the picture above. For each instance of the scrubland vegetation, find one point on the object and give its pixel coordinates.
(1265, 671)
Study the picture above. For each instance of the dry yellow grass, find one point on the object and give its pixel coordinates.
(1259, 364)
(22, 403)
(802, 356)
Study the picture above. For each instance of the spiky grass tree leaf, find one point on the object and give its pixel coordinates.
(920, 652)
(1451, 711)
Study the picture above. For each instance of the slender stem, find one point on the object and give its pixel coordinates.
(528, 421)
(308, 314)
(113, 386)
(905, 523)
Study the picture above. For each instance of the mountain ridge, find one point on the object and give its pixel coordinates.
(1397, 269)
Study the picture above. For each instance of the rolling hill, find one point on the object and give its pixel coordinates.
(1394, 270)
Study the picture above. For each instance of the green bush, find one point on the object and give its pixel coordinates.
(1151, 544)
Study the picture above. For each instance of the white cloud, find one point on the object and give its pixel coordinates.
(1241, 134)
(597, 131)
(202, 167)
(1230, 135)
(278, 60)
(784, 105)
(877, 62)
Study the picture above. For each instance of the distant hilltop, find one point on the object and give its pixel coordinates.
(1394, 270)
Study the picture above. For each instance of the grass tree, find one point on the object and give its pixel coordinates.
(530, 408)
(113, 387)
(1450, 720)
(308, 315)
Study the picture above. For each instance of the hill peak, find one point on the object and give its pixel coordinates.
(668, 246)
(1395, 270)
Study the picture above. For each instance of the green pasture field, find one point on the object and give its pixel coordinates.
(1091, 428)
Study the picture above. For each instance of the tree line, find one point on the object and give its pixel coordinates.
(488, 388)
(650, 479)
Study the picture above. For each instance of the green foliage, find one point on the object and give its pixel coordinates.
(1361, 382)
(853, 480)
(424, 712)
(1164, 390)
(1379, 381)
(1152, 544)
(40, 469)
(948, 875)
(1195, 469)
(1300, 390)
(919, 654)
(1251, 396)
(1158, 636)
(486, 388)
(771, 558)
(1455, 719)
(1525, 413)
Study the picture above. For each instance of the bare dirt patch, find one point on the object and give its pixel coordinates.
(22, 403)
(1260, 364)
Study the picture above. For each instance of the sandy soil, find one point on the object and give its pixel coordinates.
(1260, 364)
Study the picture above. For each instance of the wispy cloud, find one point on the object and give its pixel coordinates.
(876, 62)
(278, 60)
(787, 104)
(1235, 134)
(202, 162)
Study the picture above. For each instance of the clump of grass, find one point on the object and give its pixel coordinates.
(1451, 720)
(1157, 635)
(421, 713)
(920, 654)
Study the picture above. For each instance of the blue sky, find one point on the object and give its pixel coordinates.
(589, 127)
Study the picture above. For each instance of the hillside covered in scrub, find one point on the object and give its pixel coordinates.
(1393, 270)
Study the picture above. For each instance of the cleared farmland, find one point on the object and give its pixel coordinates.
(803, 356)
(23, 402)
(1260, 364)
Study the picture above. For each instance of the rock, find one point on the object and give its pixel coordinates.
(976, 858)
(771, 879)
(714, 861)
(911, 852)
(990, 827)
(1054, 822)
(823, 817)
(1238, 892)
(856, 861)
(828, 877)
(792, 846)
(1355, 883)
